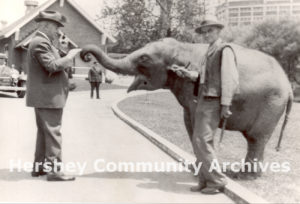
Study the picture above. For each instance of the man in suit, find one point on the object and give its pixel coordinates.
(47, 92)
(218, 83)
(95, 79)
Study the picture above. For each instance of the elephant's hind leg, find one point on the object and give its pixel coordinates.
(250, 168)
(257, 139)
(258, 135)
(255, 154)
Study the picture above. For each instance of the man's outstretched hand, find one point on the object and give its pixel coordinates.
(183, 72)
(72, 53)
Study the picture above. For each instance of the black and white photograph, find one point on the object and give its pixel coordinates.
(150, 101)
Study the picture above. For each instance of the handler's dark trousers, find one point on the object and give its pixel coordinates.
(207, 119)
(93, 86)
(49, 140)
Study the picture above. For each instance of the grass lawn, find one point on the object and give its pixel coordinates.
(84, 85)
(161, 113)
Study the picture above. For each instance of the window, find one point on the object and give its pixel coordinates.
(233, 19)
(258, 9)
(296, 8)
(270, 13)
(284, 13)
(258, 13)
(233, 14)
(271, 8)
(246, 19)
(246, 9)
(233, 24)
(258, 18)
(233, 10)
(246, 23)
(284, 8)
(246, 14)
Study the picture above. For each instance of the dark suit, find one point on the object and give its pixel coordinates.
(95, 78)
(47, 92)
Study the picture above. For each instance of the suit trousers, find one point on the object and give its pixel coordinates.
(49, 139)
(207, 119)
(95, 85)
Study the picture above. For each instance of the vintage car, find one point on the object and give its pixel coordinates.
(10, 78)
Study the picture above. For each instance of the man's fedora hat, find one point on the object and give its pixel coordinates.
(209, 22)
(51, 16)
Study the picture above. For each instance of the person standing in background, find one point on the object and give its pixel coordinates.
(95, 79)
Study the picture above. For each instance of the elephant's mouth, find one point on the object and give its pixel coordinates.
(140, 82)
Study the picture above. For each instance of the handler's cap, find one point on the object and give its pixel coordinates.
(51, 16)
(3, 56)
(210, 21)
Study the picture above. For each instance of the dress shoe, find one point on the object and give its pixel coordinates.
(197, 188)
(59, 177)
(212, 190)
(38, 173)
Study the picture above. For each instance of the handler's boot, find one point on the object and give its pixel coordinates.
(38, 173)
(212, 190)
(59, 176)
(199, 187)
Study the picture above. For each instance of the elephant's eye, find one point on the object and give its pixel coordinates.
(144, 58)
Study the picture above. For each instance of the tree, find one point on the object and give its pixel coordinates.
(280, 39)
(137, 22)
(187, 16)
(134, 23)
(165, 17)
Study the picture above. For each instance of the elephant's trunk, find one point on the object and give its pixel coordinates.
(122, 66)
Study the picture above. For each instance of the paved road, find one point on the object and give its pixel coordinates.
(90, 132)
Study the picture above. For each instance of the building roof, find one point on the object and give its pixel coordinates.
(15, 26)
(25, 42)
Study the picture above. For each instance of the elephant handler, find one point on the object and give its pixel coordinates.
(47, 92)
(218, 82)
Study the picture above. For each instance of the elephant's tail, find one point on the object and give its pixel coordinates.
(286, 118)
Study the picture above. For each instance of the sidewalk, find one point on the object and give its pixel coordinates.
(90, 132)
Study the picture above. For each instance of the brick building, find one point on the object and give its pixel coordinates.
(80, 30)
(247, 12)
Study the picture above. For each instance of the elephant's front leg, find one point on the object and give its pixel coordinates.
(189, 125)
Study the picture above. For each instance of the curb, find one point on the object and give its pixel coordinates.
(233, 190)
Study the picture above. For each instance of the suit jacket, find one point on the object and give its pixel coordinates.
(47, 82)
(94, 75)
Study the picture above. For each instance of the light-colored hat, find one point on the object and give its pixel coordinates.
(210, 21)
(51, 16)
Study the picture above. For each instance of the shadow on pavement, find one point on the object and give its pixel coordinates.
(4, 95)
(7, 175)
(177, 182)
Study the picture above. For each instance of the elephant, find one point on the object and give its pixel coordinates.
(265, 91)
